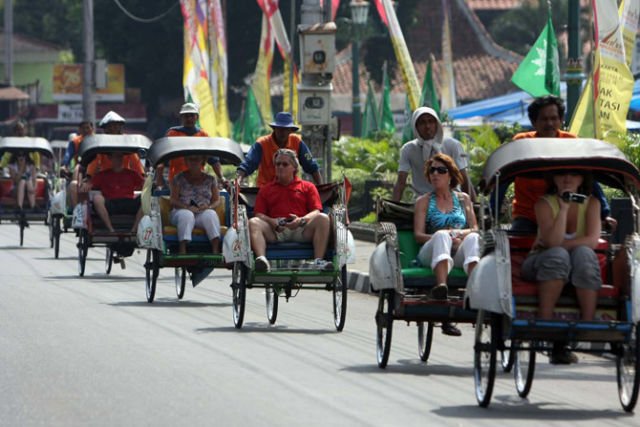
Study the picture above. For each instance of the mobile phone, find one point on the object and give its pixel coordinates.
(573, 197)
(283, 221)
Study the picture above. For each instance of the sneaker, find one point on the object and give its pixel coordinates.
(262, 264)
(321, 264)
(561, 355)
(449, 329)
(439, 291)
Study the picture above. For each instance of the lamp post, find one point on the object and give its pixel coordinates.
(359, 15)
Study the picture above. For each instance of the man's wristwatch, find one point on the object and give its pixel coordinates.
(303, 222)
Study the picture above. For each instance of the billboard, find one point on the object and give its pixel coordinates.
(67, 83)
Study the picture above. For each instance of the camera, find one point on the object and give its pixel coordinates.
(573, 197)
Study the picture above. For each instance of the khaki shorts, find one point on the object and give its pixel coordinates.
(287, 235)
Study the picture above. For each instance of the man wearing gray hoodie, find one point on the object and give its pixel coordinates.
(429, 141)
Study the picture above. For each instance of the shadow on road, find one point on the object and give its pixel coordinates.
(265, 328)
(167, 302)
(412, 367)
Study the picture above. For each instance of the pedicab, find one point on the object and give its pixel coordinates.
(93, 232)
(507, 304)
(162, 244)
(9, 210)
(403, 286)
(60, 214)
(291, 269)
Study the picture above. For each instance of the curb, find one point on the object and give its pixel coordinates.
(358, 281)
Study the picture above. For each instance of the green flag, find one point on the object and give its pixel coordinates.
(429, 97)
(539, 72)
(386, 122)
(250, 126)
(407, 130)
(370, 115)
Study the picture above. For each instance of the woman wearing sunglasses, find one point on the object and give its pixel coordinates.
(444, 224)
(23, 176)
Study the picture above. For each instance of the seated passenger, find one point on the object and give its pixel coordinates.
(194, 196)
(117, 186)
(22, 172)
(444, 224)
(568, 232)
(288, 209)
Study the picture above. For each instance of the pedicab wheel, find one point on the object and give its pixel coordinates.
(507, 357)
(340, 299)
(384, 324)
(108, 260)
(181, 280)
(22, 224)
(83, 248)
(239, 289)
(524, 367)
(49, 223)
(152, 268)
(425, 340)
(271, 298)
(484, 360)
(628, 370)
(56, 237)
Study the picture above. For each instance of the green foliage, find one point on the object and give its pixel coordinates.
(369, 218)
(378, 157)
(479, 142)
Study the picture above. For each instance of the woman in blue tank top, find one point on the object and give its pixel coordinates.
(444, 224)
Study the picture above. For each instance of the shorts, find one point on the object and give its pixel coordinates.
(288, 235)
(123, 206)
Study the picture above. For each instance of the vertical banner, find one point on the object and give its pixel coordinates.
(388, 16)
(448, 91)
(219, 68)
(196, 61)
(262, 76)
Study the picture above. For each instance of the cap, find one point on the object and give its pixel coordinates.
(189, 108)
(111, 117)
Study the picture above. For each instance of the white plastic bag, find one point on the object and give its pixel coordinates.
(232, 246)
(149, 235)
(59, 203)
(351, 248)
(79, 216)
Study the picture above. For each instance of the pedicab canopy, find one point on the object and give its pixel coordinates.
(93, 145)
(535, 156)
(28, 144)
(164, 149)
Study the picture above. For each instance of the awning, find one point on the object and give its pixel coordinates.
(12, 94)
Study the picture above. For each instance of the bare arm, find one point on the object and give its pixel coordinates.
(398, 188)
(420, 219)
(594, 227)
(472, 222)
(317, 178)
(467, 186)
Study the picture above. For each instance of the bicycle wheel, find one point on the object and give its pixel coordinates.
(425, 340)
(239, 289)
(271, 297)
(108, 260)
(384, 324)
(628, 370)
(152, 268)
(340, 299)
(484, 361)
(83, 249)
(524, 367)
(56, 237)
(181, 280)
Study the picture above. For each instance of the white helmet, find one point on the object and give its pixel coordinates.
(111, 117)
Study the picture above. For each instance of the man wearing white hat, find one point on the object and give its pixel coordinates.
(189, 114)
(260, 156)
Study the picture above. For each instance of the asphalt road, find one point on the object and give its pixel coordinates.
(91, 351)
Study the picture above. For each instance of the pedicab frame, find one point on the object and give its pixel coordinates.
(500, 304)
(91, 147)
(200, 256)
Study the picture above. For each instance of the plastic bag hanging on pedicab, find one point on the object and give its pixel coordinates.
(59, 203)
(149, 234)
(232, 246)
(79, 219)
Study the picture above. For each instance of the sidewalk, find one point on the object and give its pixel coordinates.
(358, 273)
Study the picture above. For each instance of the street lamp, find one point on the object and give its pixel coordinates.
(359, 15)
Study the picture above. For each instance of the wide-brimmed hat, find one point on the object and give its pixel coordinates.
(111, 117)
(284, 120)
(189, 108)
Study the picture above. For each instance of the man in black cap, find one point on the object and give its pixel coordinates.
(260, 156)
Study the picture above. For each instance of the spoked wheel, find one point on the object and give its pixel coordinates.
(628, 371)
(484, 360)
(507, 357)
(425, 338)
(239, 289)
(271, 298)
(83, 249)
(384, 323)
(22, 224)
(56, 236)
(524, 367)
(152, 268)
(340, 299)
(181, 280)
(108, 260)
(49, 222)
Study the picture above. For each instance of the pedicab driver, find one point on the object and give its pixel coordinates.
(288, 209)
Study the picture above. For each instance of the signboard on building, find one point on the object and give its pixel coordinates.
(67, 83)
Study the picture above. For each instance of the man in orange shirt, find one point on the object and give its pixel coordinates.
(546, 114)
(260, 156)
(189, 114)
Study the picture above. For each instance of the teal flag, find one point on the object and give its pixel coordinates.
(539, 72)
(386, 122)
(370, 115)
(407, 130)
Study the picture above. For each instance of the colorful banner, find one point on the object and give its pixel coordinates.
(262, 76)
(219, 68)
(67, 83)
(448, 90)
(196, 70)
(388, 16)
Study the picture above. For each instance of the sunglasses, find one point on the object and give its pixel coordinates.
(282, 164)
(439, 169)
